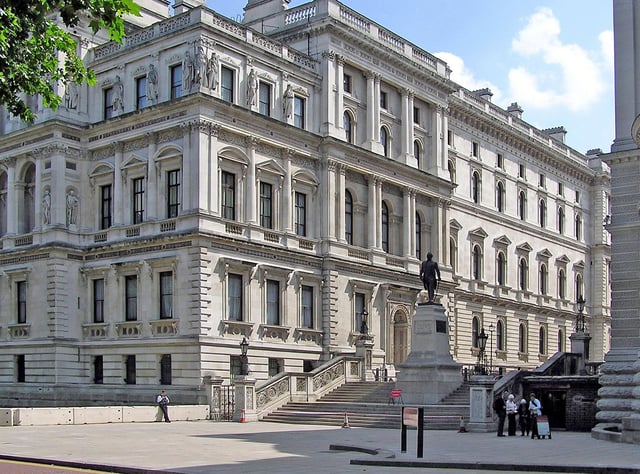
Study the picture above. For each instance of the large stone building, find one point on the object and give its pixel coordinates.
(619, 403)
(226, 180)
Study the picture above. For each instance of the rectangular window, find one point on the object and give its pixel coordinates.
(475, 149)
(20, 368)
(358, 307)
(500, 161)
(383, 100)
(560, 189)
(166, 295)
(21, 289)
(228, 201)
(307, 307)
(176, 81)
(107, 97)
(275, 367)
(522, 171)
(416, 115)
(98, 370)
(98, 300)
(165, 369)
(541, 181)
(106, 205)
(141, 93)
(130, 370)
(173, 193)
(346, 83)
(273, 302)
(301, 214)
(264, 99)
(450, 137)
(577, 196)
(266, 205)
(138, 200)
(299, 112)
(227, 84)
(131, 298)
(234, 297)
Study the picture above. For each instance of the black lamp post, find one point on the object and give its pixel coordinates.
(580, 317)
(244, 347)
(364, 328)
(482, 345)
(491, 349)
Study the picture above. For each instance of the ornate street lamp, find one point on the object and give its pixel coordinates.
(364, 328)
(580, 317)
(244, 348)
(482, 345)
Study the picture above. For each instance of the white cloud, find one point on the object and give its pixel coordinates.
(572, 79)
(464, 77)
(606, 46)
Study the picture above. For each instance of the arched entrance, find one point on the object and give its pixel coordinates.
(400, 337)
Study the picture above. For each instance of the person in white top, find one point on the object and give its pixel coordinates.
(163, 402)
(535, 408)
(512, 409)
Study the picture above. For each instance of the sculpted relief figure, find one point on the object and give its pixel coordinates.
(118, 95)
(152, 84)
(287, 106)
(72, 208)
(211, 75)
(252, 88)
(187, 72)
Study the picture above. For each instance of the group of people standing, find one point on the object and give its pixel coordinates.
(507, 409)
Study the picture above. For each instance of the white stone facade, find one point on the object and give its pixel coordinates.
(243, 188)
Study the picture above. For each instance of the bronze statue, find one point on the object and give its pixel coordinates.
(430, 274)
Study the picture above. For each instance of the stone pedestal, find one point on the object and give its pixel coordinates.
(213, 386)
(429, 373)
(580, 345)
(245, 398)
(364, 350)
(480, 410)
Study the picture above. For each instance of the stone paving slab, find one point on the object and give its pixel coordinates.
(205, 447)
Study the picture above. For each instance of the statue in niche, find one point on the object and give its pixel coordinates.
(211, 75)
(252, 88)
(71, 96)
(430, 275)
(152, 84)
(118, 95)
(187, 72)
(199, 66)
(46, 207)
(287, 106)
(72, 208)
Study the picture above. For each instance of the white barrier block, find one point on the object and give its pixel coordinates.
(92, 415)
(43, 416)
(6, 416)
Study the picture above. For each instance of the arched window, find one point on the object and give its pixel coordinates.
(522, 205)
(348, 217)
(544, 274)
(542, 210)
(452, 171)
(347, 123)
(475, 330)
(475, 187)
(384, 140)
(561, 220)
(522, 338)
(418, 237)
(453, 253)
(579, 286)
(502, 269)
(28, 200)
(578, 227)
(499, 336)
(500, 196)
(542, 346)
(560, 340)
(417, 151)
(476, 263)
(562, 284)
(385, 227)
(523, 274)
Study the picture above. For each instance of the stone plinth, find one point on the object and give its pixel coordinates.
(429, 373)
(245, 399)
(580, 345)
(480, 419)
(364, 350)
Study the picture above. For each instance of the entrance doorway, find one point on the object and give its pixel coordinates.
(400, 337)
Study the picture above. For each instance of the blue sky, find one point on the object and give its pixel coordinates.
(553, 57)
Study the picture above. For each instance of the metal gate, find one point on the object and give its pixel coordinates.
(224, 403)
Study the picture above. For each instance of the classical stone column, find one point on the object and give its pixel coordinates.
(250, 182)
(328, 85)
(372, 214)
(407, 221)
(200, 161)
(339, 109)
(341, 193)
(330, 210)
(118, 186)
(287, 194)
(214, 178)
(12, 198)
(152, 178)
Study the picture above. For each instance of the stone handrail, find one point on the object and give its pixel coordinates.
(305, 386)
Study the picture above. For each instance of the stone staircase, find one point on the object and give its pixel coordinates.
(368, 405)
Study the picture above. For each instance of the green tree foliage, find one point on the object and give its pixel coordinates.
(36, 53)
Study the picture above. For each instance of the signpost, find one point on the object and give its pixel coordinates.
(413, 416)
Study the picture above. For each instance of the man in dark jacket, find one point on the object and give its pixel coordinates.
(500, 408)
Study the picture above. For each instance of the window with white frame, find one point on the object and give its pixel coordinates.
(264, 98)
(235, 297)
(522, 338)
(98, 300)
(227, 84)
(418, 236)
(544, 279)
(166, 295)
(21, 302)
(476, 262)
(173, 193)
(523, 274)
(299, 112)
(359, 307)
(476, 184)
(561, 220)
(385, 226)
(542, 213)
(307, 306)
(131, 297)
(522, 205)
(502, 269)
(347, 123)
(578, 227)
(137, 200)
(106, 206)
(500, 346)
(500, 196)
(176, 81)
(301, 214)
(228, 197)
(348, 217)
(273, 303)
(347, 83)
(384, 141)
(266, 205)
(107, 101)
(141, 92)
(542, 340)
(562, 284)
(475, 331)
